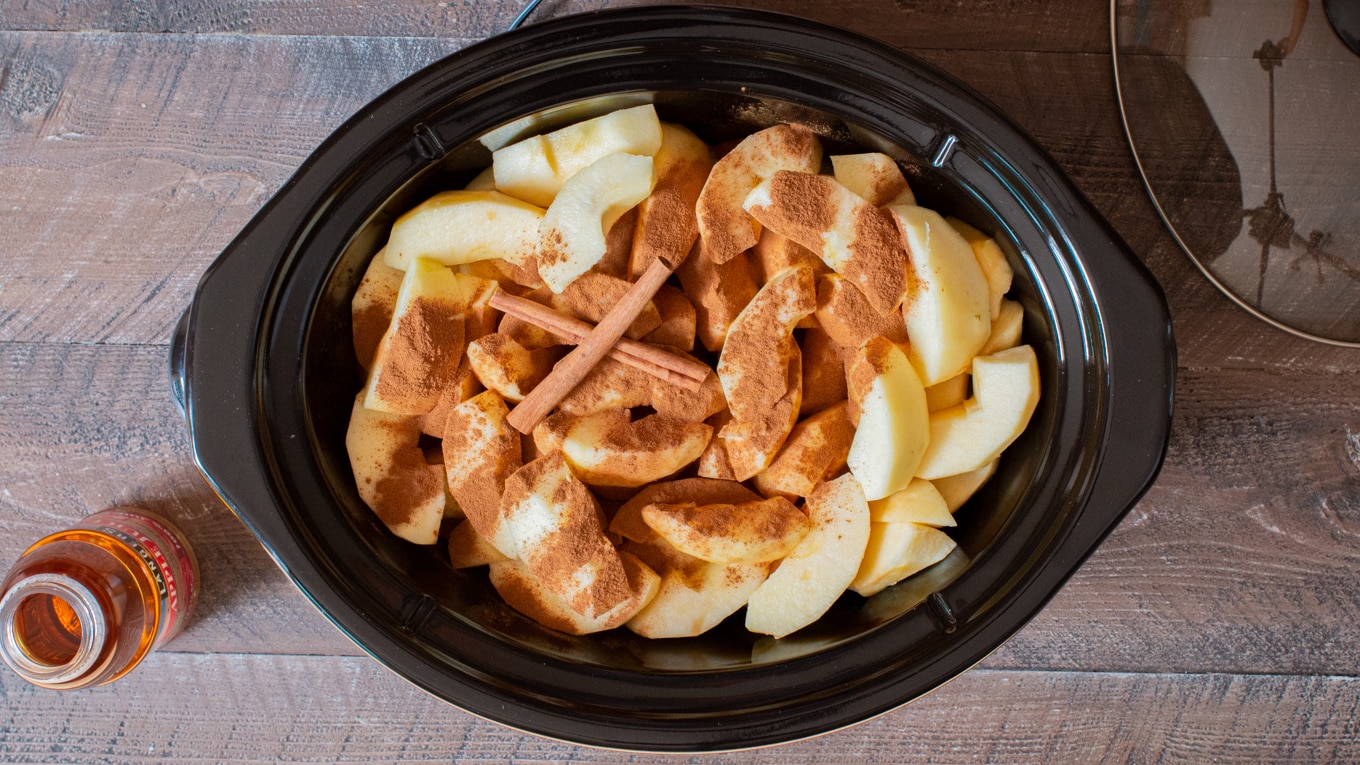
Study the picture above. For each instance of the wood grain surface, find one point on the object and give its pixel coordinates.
(1219, 622)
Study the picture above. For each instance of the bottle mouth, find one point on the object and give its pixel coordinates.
(53, 629)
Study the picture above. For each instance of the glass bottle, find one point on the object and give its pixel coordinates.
(83, 606)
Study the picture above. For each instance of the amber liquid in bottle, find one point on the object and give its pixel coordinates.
(84, 606)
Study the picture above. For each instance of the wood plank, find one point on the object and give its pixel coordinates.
(1069, 25)
(324, 709)
(1257, 507)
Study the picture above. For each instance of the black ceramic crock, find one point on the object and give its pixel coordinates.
(265, 370)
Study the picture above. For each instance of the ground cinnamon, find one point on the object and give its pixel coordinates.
(420, 355)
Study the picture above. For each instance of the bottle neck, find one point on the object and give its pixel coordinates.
(52, 629)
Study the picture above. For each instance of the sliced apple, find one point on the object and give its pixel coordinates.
(714, 462)
(509, 368)
(951, 392)
(761, 371)
(968, 436)
(679, 320)
(628, 523)
(823, 371)
(481, 451)
(719, 290)
(524, 591)
(854, 238)
(920, 503)
(949, 318)
(750, 532)
(845, 314)
(611, 385)
(957, 489)
(1006, 329)
(815, 450)
(673, 401)
(572, 234)
(483, 181)
(468, 549)
(372, 307)
(454, 227)
(555, 522)
(465, 385)
(475, 293)
(991, 260)
(418, 357)
(874, 177)
(607, 452)
(694, 595)
(896, 551)
(618, 246)
(536, 169)
(775, 253)
(393, 478)
(818, 570)
(590, 296)
(894, 428)
(727, 229)
(666, 222)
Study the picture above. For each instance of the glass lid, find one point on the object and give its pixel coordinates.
(1244, 117)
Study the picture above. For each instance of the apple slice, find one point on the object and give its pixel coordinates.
(854, 238)
(761, 371)
(606, 451)
(957, 489)
(951, 392)
(694, 595)
(628, 523)
(775, 253)
(750, 532)
(468, 549)
(949, 319)
(454, 227)
(679, 320)
(991, 260)
(483, 181)
(465, 385)
(726, 229)
(590, 296)
(714, 462)
(893, 428)
(555, 522)
(393, 478)
(509, 368)
(418, 357)
(666, 222)
(538, 168)
(481, 451)
(572, 234)
(920, 503)
(815, 450)
(372, 307)
(896, 551)
(823, 371)
(818, 570)
(525, 592)
(845, 314)
(719, 290)
(874, 177)
(1006, 329)
(968, 436)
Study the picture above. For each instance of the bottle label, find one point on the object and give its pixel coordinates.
(166, 557)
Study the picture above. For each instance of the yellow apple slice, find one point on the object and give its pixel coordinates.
(844, 313)
(481, 451)
(726, 229)
(920, 503)
(875, 177)
(590, 296)
(536, 169)
(968, 436)
(893, 428)
(628, 522)
(854, 238)
(605, 451)
(815, 450)
(393, 478)
(509, 368)
(464, 386)
(694, 595)
(572, 236)
(823, 371)
(951, 392)
(666, 223)
(1006, 328)
(372, 307)
(468, 549)
(555, 522)
(957, 489)
(454, 227)
(949, 318)
(775, 253)
(818, 570)
(525, 592)
(419, 355)
(719, 290)
(896, 551)
(750, 532)
(991, 260)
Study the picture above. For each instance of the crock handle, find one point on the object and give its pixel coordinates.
(178, 348)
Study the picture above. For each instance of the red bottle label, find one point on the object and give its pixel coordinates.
(167, 557)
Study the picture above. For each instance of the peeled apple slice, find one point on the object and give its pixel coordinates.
(894, 420)
(968, 436)
(573, 231)
(456, 227)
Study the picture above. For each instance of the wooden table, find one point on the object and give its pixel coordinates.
(1220, 621)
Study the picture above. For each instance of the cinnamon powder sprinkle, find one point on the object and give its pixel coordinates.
(422, 354)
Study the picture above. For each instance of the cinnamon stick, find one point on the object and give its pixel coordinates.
(675, 369)
(571, 370)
